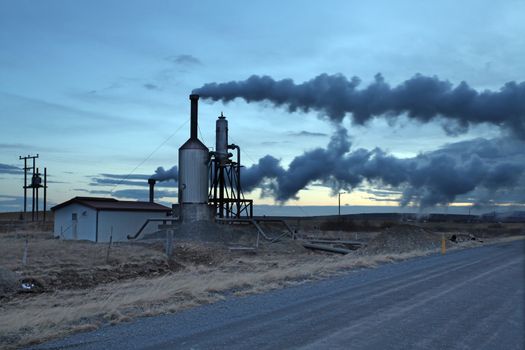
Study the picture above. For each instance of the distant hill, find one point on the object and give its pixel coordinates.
(511, 216)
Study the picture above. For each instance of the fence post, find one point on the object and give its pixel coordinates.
(24, 257)
(169, 242)
(109, 246)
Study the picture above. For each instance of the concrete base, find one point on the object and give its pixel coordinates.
(190, 212)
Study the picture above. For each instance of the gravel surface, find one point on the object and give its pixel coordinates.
(468, 299)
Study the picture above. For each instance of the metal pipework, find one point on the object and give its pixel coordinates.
(239, 189)
(151, 183)
(194, 115)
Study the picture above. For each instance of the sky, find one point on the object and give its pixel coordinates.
(99, 89)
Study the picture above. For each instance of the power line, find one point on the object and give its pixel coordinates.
(200, 133)
(150, 155)
(244, 151)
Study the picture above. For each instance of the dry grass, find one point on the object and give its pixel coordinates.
(209, 274)
(25, 321)
(76, 264)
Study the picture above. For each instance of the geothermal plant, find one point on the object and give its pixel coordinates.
(209, 181)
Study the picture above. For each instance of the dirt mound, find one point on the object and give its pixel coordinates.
(9, 282)
(401, 240)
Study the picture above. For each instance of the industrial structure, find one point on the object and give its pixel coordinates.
(210, 182)
(194, 158)
(225, 177)
(209, 188)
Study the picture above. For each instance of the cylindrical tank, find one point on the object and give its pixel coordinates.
(221, 138)
(193, 163)
(193, 172)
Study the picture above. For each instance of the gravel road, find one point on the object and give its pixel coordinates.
(468, 299)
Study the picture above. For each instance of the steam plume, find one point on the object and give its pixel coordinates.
(165, 175)
(422, 98)
(428, 179)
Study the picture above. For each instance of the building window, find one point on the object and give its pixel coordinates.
(74, 216)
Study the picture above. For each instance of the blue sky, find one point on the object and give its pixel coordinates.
(95, 87)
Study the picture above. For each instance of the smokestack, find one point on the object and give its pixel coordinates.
(194, 115)
(151, 183)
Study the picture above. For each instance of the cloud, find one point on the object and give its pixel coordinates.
(143, 194)
(97, 181)
(492, 167)
(149, 86)
(421, 98)
(184, 60)
(10, 169)
(13, 146)
(81, 190)
(135, 194)
(166, 178)
(23, 146)
(11, 203)
(128, 176)
(307, 133)
(59, 117)
(273, 143)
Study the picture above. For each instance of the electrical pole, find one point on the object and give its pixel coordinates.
(45, 193)
(339, 195)
(25, 179)
(37, 185)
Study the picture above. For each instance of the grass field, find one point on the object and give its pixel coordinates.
(84, 289)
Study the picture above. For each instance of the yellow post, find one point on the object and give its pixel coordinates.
(443, 245)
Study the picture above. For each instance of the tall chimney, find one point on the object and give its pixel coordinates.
(151, 183)
(194, 115)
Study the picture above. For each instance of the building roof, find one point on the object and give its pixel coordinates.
(99, 203)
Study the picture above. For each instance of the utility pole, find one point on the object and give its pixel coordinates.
(25, 180)
(339, 195)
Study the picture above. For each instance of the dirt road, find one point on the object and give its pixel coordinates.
(469, 299)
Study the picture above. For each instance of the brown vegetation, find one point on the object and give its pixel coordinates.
(82, 289)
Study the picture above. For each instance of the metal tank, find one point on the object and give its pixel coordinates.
(221, 138)
(193, 164)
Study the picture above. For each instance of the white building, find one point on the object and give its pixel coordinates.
(96, 219)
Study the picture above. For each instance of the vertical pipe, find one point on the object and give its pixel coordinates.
(45, 192)
(215, 182)
(151, 183)
(221, 191)
(194, 115)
